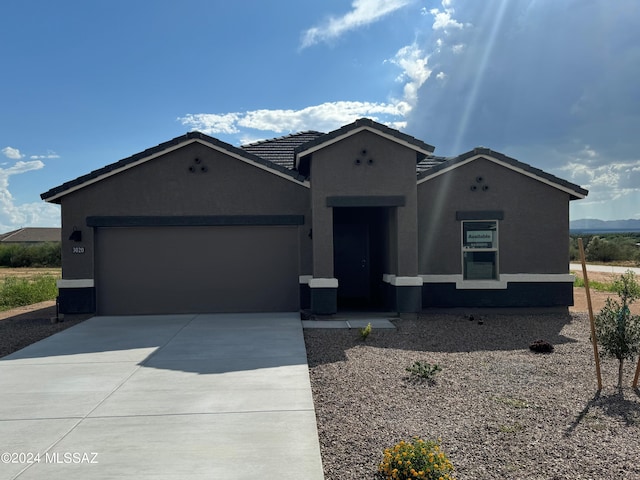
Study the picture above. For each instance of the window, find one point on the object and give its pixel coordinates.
(480, 250)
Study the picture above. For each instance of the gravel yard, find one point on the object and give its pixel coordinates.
(500, 410)
(23, 326)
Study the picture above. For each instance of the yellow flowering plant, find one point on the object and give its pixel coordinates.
(416, 459)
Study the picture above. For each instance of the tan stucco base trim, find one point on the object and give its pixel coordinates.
(323, 283)
(502, 283)
(76, 283)
(402, 281)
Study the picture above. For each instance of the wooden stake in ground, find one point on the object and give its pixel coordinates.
(635, 379)
(594, 340)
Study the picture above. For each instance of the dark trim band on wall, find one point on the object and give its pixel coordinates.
(194, 221)
(480, 215)
(367, 201)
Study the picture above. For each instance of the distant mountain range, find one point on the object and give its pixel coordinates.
(590, 224)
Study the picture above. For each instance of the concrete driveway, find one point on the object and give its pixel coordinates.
(220, 396)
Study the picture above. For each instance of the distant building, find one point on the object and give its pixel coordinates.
(32, 235)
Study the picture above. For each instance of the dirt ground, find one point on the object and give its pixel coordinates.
(28, 272)
(597, 298)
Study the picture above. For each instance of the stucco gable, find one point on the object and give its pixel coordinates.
(363, 124)
(54, 195)
(575, 191)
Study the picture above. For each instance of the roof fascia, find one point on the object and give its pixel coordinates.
(356, 130)
(169, 150)
(12, 234)
(515, 168)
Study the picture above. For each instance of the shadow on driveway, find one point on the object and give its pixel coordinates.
(203, 344)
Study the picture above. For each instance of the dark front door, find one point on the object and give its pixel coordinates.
(352, 263)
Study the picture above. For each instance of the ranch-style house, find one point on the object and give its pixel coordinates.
(364, 217)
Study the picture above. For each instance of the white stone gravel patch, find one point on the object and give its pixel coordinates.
(501, 410)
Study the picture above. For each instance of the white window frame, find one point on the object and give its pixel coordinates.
(495, 248)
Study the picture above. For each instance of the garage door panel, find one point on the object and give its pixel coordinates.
(196, 269)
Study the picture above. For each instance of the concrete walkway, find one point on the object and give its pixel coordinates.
(182, 397)
(577, 267)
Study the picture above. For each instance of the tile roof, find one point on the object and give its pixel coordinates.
(429, 162)
(281, 150)
(280, 154)
(574, 190)
(32, 235)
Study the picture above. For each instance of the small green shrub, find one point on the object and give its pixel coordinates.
(416, 459)
(423, 370)
(512, 402)
(365, 331)
(16, 292)
(512, 428)
(618, 331)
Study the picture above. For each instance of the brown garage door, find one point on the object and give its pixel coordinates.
(149, 270)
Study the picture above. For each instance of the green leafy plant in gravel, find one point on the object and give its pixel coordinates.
(512, 402)
(512, 428)
(415, 459)
(423, 370)
(617, 330)
(17, 292)
(365, 331)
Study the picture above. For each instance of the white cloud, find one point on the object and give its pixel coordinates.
(414, 64)
(327, 116)
(324, 117)
(615, 178)
(211, 123)
(48, 156)
(363, 13)
(34, 214)
(12, 153)
(443, 20)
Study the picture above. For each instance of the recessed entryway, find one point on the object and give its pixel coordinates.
(360, 250)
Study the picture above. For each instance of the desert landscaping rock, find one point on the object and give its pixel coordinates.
(23, 326)
(501, 410)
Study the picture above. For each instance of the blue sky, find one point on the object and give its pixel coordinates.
(555, 84)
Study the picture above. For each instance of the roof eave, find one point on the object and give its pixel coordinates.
(575, 191)
(363, 124)
(55, 194)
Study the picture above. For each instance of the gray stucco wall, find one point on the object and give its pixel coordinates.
(165, 186)
(533, 236)
(335, 172)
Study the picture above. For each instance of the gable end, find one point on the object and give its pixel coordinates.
(575, 191)
(56, 193)
(364, 124)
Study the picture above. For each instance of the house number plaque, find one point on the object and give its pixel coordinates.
(78, 250)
